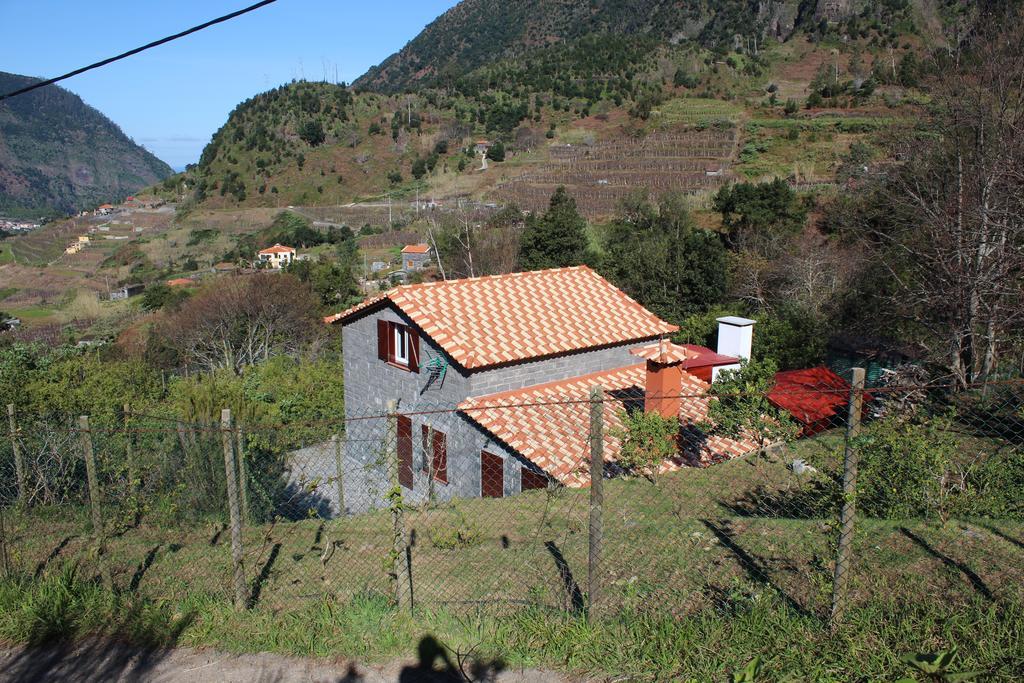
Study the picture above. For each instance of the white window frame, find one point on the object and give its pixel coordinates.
(401, 342)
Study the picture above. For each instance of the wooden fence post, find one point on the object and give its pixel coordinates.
(5, 560)
(396, 503)
(243, 475)
(847, 514)
(241, 591)
(596, 530)
(339, 469)
(95, 504)
(129, 448)
(19, 460)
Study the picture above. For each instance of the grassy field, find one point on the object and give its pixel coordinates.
(686, 563)
(696, 111)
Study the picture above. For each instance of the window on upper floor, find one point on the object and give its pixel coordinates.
(398, 345)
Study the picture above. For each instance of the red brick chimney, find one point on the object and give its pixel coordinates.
(664, 382)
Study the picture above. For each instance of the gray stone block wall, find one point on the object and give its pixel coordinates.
(370, 383)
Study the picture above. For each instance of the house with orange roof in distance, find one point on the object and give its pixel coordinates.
(492, 378)
(104, 209)
(181, 282)
(416, 257)
(276, 257)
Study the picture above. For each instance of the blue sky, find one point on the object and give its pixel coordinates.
(172, 98)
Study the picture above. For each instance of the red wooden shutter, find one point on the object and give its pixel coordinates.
(414, 349)
(405, 451)
(533, 480)
(440, 457)
(492, 475)
(383, 339)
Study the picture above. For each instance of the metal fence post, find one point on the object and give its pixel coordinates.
(396, 505)
(98, 532)
(241, 592)
(847, 514)
(339, 468)
(19, 460)
(596, 497)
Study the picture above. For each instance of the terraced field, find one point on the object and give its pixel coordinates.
(600, 175)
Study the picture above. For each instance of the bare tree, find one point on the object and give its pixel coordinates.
(469, 246)
(243, 320)
(954, 240)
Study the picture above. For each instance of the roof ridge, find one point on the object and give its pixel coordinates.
(499, 276)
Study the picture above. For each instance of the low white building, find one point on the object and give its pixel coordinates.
(277, 256)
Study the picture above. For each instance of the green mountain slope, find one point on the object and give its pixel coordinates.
(475, 33)
(58, 155)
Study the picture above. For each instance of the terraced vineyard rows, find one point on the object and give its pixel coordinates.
(601, 175)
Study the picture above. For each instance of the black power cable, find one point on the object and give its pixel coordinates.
(137, 50)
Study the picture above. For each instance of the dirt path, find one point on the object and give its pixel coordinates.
(106, 661)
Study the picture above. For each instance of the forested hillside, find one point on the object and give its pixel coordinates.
(58, 155)
(475, 33)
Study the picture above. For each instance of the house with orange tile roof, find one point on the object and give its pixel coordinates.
(515, 356)
(276, 257)
(416, 257)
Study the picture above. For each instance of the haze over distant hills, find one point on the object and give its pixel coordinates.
(58, 155)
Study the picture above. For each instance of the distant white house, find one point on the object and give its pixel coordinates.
(277, 256)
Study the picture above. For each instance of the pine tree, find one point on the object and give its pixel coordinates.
(556, 239)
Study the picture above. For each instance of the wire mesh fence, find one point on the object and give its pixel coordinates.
(824, 497)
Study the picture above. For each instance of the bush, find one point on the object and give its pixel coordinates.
(648, 439)
(904, 467)
(456, 532)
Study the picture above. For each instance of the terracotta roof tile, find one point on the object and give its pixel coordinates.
(277, 249)
(498, 319)
(548, 424)
(416, 249)
(664, 352)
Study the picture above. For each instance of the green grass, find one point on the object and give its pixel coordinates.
(696, 111)
(640, 643)
(695, 581)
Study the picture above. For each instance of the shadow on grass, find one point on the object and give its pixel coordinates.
(572, 588)
(257, 585)
(996, 532)
(77, 631)
(41, 567)
(975, 580)
(143, 567)
(753, 566)
(435, 665)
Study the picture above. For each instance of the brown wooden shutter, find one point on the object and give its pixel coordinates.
(533, 480)
(492, 475)
(405, 452)
(414, 349)
(383, 339)
(440, 457)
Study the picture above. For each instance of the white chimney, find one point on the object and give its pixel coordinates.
(735, 338)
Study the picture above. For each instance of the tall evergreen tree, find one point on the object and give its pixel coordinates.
(658, 257)
(556, 239)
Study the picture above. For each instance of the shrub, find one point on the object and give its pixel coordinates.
(905, 468)
(648, 439)
(456, 532)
